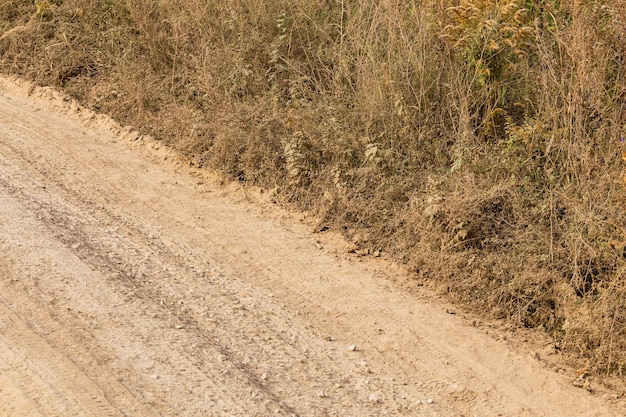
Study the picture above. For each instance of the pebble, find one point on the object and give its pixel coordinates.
(352, 348)
(321, 394)
(373, 398)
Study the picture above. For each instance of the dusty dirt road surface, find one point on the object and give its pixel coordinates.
(132, 286)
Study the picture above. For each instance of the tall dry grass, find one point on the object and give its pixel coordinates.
(479, 142)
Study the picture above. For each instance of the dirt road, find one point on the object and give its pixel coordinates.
(132, 286)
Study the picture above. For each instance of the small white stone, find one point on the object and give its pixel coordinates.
(352, 348)
(321, 394)
(373, 398)
(429, 401)
(264, 376)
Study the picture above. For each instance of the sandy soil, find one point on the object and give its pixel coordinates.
(132, 285)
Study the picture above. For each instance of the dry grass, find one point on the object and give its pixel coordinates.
(476, 141)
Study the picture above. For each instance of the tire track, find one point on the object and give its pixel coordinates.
(66, 220)
(59, 379)
(78, 233)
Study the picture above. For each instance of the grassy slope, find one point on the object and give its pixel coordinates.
(477, 142)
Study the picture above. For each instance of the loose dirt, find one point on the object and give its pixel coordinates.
(133, 285)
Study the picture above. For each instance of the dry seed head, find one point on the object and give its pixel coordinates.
(509, 8)
(488, 24)
(520, 16)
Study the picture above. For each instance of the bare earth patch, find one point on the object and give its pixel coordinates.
(133, 285)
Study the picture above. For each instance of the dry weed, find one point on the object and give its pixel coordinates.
(477, 141)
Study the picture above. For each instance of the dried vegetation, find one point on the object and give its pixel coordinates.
(480, 142)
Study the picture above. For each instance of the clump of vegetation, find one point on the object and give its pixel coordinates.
(479, 142)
